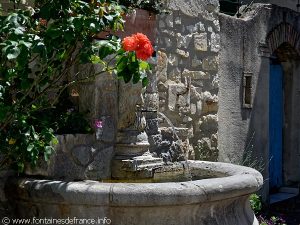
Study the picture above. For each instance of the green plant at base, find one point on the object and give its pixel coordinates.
(255, 202)
(38, 48)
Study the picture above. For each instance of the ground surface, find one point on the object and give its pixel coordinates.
(288, 209)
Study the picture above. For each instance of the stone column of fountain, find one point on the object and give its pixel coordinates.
(132, 157)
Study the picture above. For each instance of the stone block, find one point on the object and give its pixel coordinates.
(200, 42)
(183, 41)
(215, 42)
(195, 74)
(209, 124)
(192, 28)
(215, 81)
(161, 24)
(177, 20)
(196, 62)
(151, 101)
(205, 151)
(210, 107)
(152, 126)
(173, 60)
(174, 91)
(162, 87)
(182, 53)
(174, 75)
(210, 63)
(169, 20)
(193, 109)
(168, 42)
(161, 67)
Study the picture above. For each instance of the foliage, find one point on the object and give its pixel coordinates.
(255, 202)
(150, 5)
(38, 48)
(273, 220)
(264, 219)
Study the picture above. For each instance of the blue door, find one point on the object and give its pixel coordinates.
(275, 124)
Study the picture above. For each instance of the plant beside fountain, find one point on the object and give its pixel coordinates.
(108, 176)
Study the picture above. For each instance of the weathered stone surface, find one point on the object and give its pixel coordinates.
(177, 20)
(182, 53)
(192, 52)
(173, 93)
(74, 157)
(206, 149)
(209, 123)
(215, 42)
(183, 41)
(210, 63)
(169, 20)
(161, 67)
(193, 8)
(175, 74)
(161, 24)
(151, 101)
(173, 60)
(200, 42)
(195, 74)
(196, 62)
(135, 203)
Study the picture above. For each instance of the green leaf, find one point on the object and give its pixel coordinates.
(145, 81)
(122, 63)
(13, 53)
(105, 50)
(3, 111)
(25, 84)
(54, 141)
(26, 44)
(136, 78)
(95, 59)
(144, 65)
(30, 147)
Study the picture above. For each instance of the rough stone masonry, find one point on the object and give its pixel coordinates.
(188, 43)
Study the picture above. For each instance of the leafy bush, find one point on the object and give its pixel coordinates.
(255, 202)
(150, 5)
(38, 47)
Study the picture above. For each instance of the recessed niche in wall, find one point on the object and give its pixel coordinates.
(247, 90)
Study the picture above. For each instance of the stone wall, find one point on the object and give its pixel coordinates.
(292, 4)
(247, 48)
(187, 79)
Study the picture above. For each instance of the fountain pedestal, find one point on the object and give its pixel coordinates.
(132, 157)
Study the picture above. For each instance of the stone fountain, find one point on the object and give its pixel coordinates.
(111, 177)
(142, 189)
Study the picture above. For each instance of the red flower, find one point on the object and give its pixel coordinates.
(139, 43)
(145, 52)
(130, 43)
(142, 38)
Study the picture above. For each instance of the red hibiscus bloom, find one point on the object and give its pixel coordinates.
(130, 43)
(144, 52)
(139, 43)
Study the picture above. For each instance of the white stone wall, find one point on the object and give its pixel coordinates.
(187, 73)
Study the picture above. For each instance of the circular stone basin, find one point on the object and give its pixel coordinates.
(214, 201)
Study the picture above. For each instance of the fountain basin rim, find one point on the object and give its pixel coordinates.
(239, 181)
